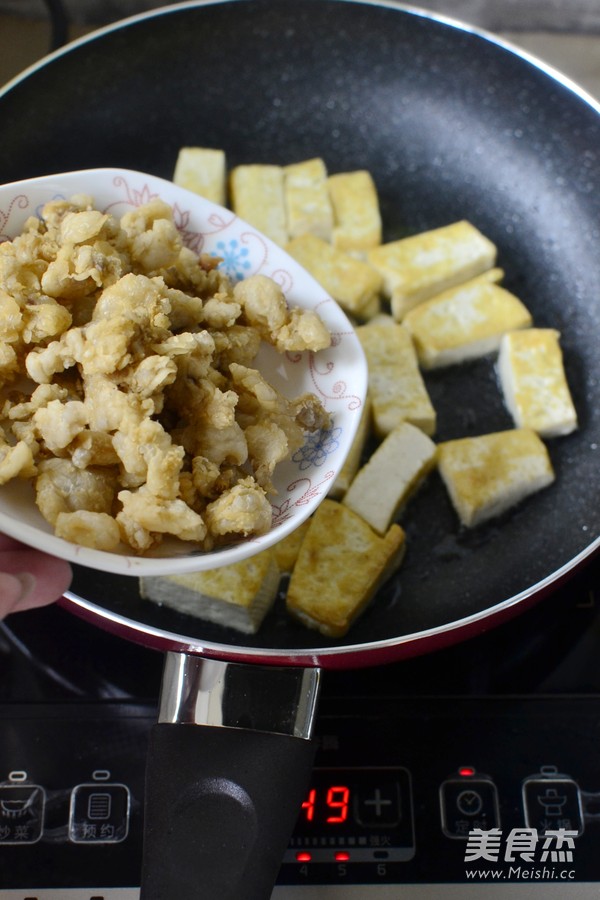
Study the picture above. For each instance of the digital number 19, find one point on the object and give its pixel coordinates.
(337, 801)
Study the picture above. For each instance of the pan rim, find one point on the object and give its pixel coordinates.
(407, 8)
(363, 653)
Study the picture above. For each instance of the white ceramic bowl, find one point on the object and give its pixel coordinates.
(338, 376)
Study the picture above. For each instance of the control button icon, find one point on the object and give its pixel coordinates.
(21, 810)
(552, 801)
(99, 812)
(380, 805)
(468, 802)
(99, 806)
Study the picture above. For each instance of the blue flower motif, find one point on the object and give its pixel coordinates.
(317, 448)
(235, 259)
(40, 207)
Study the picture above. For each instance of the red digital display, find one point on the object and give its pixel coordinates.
(309, 805)
(350, 803)
(329, 804)
(354, 815)
(338, 798)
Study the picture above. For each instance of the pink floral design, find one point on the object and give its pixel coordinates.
(134, 197)
(18, 202)
(338, 389)
(284, 279)
(252, 238)
(286, 509)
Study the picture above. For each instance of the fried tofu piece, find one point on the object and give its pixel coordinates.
(341, 565)
(532, 375)
(396, 386)
(257, 195)
(236, 596)
(203, 171)
(352, 462)
(397, 468)
(352, 282)
(416, 268)
(307, 202)
(464, 322)
(370, 310)
(357, 219)
(286, 551)
(488, 474)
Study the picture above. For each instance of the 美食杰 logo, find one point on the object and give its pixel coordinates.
(521, 854)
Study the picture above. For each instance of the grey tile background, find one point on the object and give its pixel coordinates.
(563, 33)
(517, 15)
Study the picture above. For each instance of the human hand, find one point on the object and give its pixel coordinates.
(28, 577)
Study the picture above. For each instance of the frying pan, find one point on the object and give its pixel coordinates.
(453, 124)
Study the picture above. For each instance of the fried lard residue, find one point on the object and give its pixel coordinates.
(129, 393)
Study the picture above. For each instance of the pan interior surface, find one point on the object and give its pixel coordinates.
(453, 125)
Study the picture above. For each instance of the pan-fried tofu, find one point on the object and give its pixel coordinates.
(536, 392)
(236, 596)
(418, 267)
(464, 322)
(352, 462)
(307, 202)
(357, 219)
(396, 386)
(352, 282)
(341, 564)
(257, 196)
(488, 474)
(202, 170)
(397, 468)
(370, 309)
(286, 551)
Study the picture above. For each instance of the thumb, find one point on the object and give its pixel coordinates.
(29, 578)
(13, 590)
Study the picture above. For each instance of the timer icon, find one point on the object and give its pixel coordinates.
(469, 803)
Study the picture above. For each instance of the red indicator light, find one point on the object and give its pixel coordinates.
(466, 771)
(342, 856)
(303, 856)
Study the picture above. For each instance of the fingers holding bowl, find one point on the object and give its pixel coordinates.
(29, 578)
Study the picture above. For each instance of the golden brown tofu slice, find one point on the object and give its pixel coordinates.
(396, 387)
(532, 374)
(352, 282)
(341, 564)
(203, 171)
(488, 474)
(464, 322)
(416, 268)
(257, 196)
(286, 551)
(307, 202)
(357, 219)
(236, 596)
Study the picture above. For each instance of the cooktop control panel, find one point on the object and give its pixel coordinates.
(453, 792)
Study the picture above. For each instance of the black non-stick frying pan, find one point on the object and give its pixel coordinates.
(453, 124)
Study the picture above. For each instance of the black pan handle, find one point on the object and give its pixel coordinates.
(228, 768)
